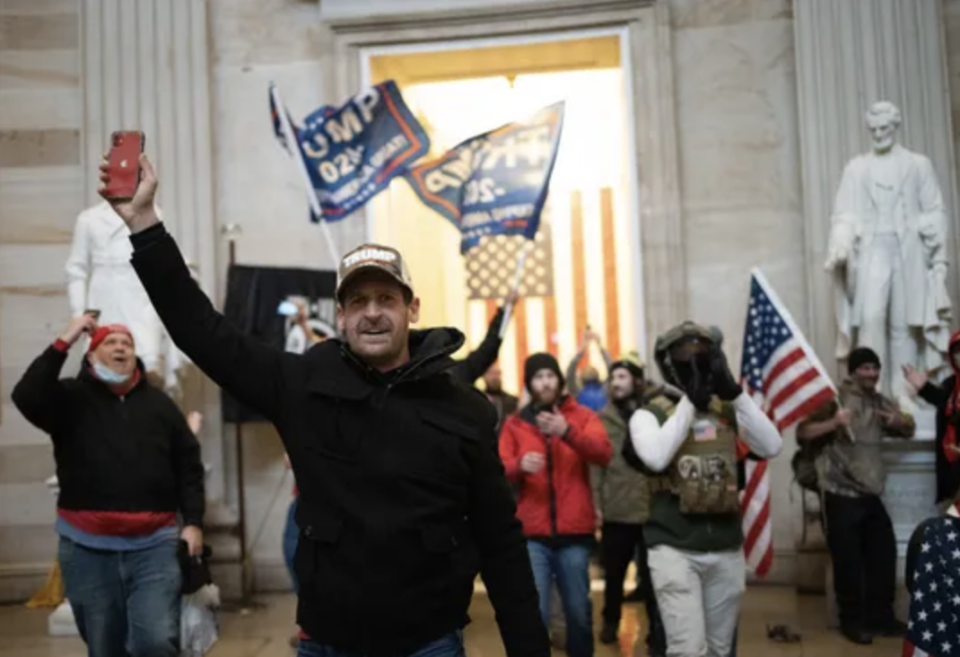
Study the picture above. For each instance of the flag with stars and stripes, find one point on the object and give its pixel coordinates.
(934, 627)
(784, 377)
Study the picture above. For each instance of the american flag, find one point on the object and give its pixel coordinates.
(785, 378)
(586, 278)
(934, 627)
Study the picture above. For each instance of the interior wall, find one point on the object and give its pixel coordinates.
(253, 43)
(740, 181)
(40, 194)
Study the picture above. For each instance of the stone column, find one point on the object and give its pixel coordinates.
(849, 54)
(145, 67)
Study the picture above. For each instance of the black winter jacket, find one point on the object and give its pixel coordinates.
(478, 361)
(132, 453)
(402, 496)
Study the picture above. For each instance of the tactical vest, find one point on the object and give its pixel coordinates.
(703, 473)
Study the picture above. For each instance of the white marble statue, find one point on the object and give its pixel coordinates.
(100, 277)
(888, 256)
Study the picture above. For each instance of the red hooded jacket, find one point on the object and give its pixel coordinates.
(556, 501)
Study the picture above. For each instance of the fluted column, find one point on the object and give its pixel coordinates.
(145, 67)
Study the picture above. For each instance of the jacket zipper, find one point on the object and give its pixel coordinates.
(553, 493)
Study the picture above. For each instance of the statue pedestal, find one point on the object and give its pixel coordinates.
(61, 621)
(909, 498)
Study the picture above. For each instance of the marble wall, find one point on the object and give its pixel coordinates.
(253, 43)
(740, 180)
(40, 193)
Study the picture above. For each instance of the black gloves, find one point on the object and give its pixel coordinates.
(725, 386)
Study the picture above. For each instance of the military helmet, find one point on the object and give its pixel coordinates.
(673, 337)
(687, 329)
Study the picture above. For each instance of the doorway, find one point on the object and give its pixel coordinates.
(588, 267)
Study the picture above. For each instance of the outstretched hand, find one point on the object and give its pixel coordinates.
(139, 212)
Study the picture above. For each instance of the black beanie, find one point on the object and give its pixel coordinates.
(541, 361)
(862, 356)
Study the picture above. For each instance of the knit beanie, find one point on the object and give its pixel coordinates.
(541, 361)
(630, 362)
(862, 356)
(103, 331)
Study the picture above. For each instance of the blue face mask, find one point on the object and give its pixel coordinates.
(107, 375)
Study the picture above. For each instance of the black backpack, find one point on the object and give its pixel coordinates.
(804, 463)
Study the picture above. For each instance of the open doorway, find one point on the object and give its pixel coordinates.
(587, 272)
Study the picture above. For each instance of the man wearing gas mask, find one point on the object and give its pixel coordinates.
(688, 448)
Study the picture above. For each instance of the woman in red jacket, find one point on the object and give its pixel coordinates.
(547, 449)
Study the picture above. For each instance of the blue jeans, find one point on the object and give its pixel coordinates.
(450, 645)
(126, 604)
(570, 567)
(291, 533)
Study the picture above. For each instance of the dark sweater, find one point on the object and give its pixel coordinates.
(948, 474)
(132, 454)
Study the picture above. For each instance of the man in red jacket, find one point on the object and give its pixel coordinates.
(547, 449)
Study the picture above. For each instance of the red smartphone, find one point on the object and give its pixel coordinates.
(124, 164)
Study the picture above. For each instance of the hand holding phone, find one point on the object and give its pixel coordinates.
(124, 165)
(129, 183)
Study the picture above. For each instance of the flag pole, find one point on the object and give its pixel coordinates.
(508, 310)
(291, 138)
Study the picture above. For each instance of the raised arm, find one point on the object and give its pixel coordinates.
(248, 369)
(480, 359)
(40, 395)
(504, 562)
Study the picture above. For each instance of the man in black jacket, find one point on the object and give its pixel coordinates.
(127, 464)
(402, 496)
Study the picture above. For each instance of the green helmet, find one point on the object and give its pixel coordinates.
(671, 338)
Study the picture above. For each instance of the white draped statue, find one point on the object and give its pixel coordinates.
(888, 256)
(100, 277)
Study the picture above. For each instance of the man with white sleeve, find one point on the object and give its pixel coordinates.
(687, 448)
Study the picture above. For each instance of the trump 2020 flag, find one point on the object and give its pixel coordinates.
(494, 183)
(351, 153)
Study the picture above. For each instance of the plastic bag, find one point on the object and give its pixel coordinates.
(199, 629)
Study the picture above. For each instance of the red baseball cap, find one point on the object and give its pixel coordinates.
(103, 331)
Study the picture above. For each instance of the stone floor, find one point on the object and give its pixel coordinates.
(264, 632)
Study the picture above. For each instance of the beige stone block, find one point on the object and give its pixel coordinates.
(40, 32)
(26, 464)
(14, 428)
(39, 148)
(40, 109)
(39, 68)
(257, 32)
(737, 117)
(33, 266)
(26, 504)
(39, 204)
(38, 7)
(690, 14)
(28, 543)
